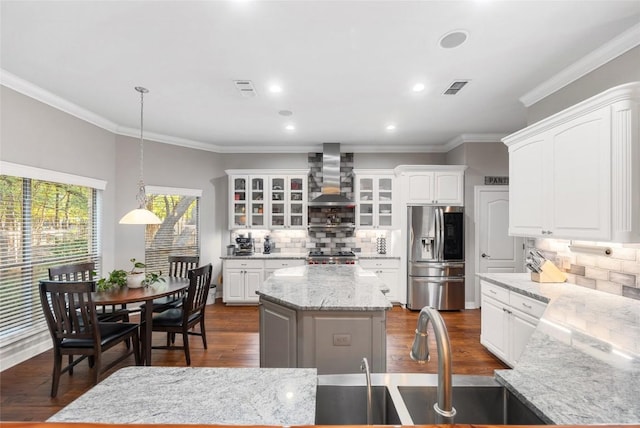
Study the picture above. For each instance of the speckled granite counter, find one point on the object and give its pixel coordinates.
(272, 256)
(326, 287)
(582, 363)
(171, 395)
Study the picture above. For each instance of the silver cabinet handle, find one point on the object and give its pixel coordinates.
(527, 306)
(492, 292)
(485, 256)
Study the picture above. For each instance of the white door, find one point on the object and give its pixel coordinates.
(496, 251)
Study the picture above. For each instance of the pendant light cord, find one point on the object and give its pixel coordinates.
(142, 194)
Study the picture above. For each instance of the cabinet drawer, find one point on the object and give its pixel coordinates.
(283, 263)
(495, 291)
(243, 263)
(526, 304)
(379, 263)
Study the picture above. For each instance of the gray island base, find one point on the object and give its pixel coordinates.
(324, 316)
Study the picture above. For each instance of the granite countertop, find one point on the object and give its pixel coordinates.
(326, 287)
(582, 363)
(376, 256)
(185, 395)
(272, 256)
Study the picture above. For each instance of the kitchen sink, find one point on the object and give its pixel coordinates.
(408, 398)
(488, 405)
(347, 405)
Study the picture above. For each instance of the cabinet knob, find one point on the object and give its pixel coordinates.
(485, 256)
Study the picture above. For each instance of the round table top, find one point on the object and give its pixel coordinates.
(123, 295)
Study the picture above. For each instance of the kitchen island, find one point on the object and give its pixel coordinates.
(323, 316)
(185, 395)
(582, 363)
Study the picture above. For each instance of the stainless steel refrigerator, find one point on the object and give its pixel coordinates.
(435, 257)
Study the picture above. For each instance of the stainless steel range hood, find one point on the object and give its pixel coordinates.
(331, 196)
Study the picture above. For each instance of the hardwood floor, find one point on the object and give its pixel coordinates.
(232, 336)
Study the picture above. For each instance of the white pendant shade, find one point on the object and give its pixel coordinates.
(140, 216)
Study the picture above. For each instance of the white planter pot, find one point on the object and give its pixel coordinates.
(134, 280)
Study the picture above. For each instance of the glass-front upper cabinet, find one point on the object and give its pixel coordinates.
(374, 194)
(240, 201)
(258, 211)
(288, 203)
(248, 205)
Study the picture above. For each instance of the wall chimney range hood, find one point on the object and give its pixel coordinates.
(331, 196)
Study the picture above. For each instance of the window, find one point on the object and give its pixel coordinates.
(46, 219)
(178, 234)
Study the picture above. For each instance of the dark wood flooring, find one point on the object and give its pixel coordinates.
(232, 336)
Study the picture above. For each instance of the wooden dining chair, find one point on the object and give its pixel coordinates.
(85, 272)
(179, 267)
(75, 330)
(181, 320)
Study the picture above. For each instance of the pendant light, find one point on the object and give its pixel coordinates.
(141, 215)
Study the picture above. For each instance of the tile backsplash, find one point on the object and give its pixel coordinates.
(588, 265)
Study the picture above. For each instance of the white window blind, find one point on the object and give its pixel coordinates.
(42, 224)
(179, 233)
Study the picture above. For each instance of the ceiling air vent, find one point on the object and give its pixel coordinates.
(455, 87)
(245, 87)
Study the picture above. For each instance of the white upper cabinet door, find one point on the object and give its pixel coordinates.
(526, 187)
(420, 188)
(580, 170)
(449, 188)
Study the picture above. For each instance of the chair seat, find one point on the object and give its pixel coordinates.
(109, 331)
(171, 318)
(164, 303)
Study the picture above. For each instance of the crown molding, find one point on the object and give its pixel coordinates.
(472, 138)
(605, 53)
(29, 89)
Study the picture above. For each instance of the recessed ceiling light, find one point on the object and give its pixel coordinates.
(418, 87)
(276, 89)
(391, 127)
(290, 127)
(453, 39)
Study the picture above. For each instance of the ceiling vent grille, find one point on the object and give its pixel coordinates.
(245, 87)
(455, 87)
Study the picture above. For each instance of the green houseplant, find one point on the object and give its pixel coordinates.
(135, 278)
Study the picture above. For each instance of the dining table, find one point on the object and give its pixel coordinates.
(167, 286)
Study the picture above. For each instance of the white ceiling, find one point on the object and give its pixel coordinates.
(346, 67)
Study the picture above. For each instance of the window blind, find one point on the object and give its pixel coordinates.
(42, 224)
(179, 233)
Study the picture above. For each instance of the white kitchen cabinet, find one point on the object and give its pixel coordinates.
(432, 184)
(272, 265)
(508, 319)
(388, 270)
(248, 204)
(241, 279)
(375, 191)
(576, 174)
(267, 199)
(288, 202)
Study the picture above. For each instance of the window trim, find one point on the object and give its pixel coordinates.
(35, 173)
(180, 191)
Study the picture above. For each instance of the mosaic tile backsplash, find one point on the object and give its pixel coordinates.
(617, 273)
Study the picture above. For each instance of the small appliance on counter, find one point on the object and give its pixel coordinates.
(244, 246)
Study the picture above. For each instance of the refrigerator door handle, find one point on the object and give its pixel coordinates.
(441, 233)
(436, 254)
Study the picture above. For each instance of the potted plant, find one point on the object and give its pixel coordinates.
(116, 278)
(136, 277)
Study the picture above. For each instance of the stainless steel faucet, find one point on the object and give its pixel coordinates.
(365, 368)
(420, 353)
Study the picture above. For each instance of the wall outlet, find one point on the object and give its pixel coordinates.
(341, 340)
